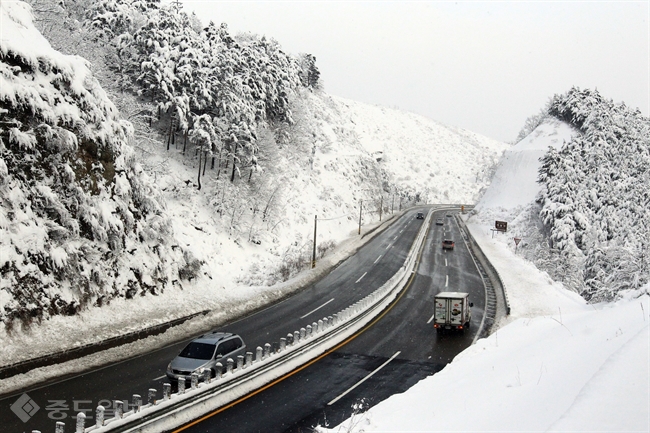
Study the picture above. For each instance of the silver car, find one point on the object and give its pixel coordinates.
(204, 353)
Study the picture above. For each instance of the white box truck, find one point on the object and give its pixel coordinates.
(452, 311)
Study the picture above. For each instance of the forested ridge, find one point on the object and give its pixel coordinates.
(595, 198)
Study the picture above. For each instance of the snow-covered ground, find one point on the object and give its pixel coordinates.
(555, 364)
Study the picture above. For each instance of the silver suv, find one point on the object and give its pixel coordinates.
(203, 353)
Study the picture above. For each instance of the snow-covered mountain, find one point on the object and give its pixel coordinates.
(102, 224)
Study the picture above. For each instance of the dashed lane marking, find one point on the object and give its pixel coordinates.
(361, 278)
(364, 379)
(316, 309)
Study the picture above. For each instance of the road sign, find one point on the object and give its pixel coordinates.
(501, 226)
(517, 240)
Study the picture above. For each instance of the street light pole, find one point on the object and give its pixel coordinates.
(360, 210)
(381, 206)
(313, 255)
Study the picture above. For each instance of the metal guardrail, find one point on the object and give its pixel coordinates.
(252, 371)
(497, 303)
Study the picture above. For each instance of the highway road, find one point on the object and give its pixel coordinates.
(389, 357)
(353, 279)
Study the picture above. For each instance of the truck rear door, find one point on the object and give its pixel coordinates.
(442, 310)
(456, 313)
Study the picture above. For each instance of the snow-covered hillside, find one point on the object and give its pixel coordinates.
(514, 185)
(80, 223)
(234, 242)
(556, 363)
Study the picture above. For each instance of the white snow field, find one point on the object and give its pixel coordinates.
(555, 364)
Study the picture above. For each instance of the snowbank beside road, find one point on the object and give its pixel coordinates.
(558, 365)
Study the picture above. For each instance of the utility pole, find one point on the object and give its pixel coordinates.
(313, 255)
(392, 204)
(360, 210)
(381, 206)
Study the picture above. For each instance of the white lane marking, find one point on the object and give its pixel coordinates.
(378, 258)
(446, 280)
(446, 261)
(395, 238)
(364, 379)
(360, 278)
(389, 245)
(316, 309)
(431, 319)
(161, 377)
(401, 230)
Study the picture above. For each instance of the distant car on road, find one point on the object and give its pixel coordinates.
(440, 222)
(448, 244)
(204, 353)
(448, 215)
(420, 216)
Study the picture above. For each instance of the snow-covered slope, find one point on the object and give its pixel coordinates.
(514, 184)
(441, 163)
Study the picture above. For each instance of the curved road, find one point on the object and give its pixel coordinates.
(354, 278)
(389, 357)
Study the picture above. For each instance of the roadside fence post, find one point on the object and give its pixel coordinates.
(99, 416)
(151, 396)
(303, 333)
(219, 368)
(283, 344)
(119, 409)
(240, 361)
(267, 351)
(137, 403)
(229, 365)
(259, 352)
(59, 427)
(207, 376)
(290, 339)
(194, 380)
(181, 385)
(249, 358)
(296, 337)
(81, 422)
(167, 391)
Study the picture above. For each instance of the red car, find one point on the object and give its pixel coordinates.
(447, 244)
